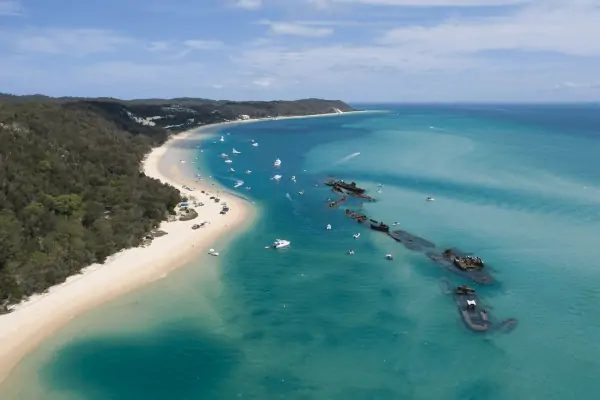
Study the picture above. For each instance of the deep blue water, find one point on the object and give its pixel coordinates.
(518, 185)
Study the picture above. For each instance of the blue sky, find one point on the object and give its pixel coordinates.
(355, 50)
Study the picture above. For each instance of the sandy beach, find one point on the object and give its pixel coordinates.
(31, 321)
(39, 316)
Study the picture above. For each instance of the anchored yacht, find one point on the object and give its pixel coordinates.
(228, 161)
(224, 155)
(279, 243)
(276, 177)
(234, 151)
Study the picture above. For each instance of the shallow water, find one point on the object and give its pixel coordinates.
(517, 185)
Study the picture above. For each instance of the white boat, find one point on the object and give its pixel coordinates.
(228, 161)
(276, 177)
(279, 243)
(231, 170)
(351, 252)
(213, 252)
(395, 223)
(222, 139)
(301, 192)
(255, 144)
(248, 187)
(277, 163)
(328, 227)
(293, 178)
(430, 199)
(224, 155)
(234, 151)
(356, 235)
(248, 172)
(238, 184)
(389, 256)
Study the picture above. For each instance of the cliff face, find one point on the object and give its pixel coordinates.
(147, 116)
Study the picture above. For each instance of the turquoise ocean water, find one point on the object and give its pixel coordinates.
(518, 185)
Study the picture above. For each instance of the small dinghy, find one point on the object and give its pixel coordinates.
(231, 170)
(301, 192)
(234, 151)
(248, 172)
(293, 178)
(389, 256)
(254, 144)
(351, 252)
(328, 227)
(356, 235)
(430, 199)
(396, 223)
(213, 252)
(276, 177)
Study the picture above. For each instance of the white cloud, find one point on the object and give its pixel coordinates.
(76, 42)
(419, 3)
(248, 4)
(10, 8)
(263, 82)
(297, 29)
(197, 44)
(562, 29)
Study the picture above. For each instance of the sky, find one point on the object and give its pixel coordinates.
(354, 50)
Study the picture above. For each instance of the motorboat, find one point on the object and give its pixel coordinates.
(396, 223)
(351, 252)
(238, 184)
(224, 155)
(248, 172)
(228, 161)
(276, 177)
(301, 192)
(293, 178)
(231, 170)
(222, 139)
(248, 187)
(430, 199)
(277, 163)
(234, 151)
(213, 252)
(328, 227)
(356, 235)
(254, 144)
(279, 243)
(389, 256)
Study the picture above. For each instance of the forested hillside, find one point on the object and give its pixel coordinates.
(71, 190)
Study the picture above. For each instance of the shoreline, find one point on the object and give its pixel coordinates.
(41, 315)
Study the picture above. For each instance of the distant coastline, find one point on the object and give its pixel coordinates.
(39, 316)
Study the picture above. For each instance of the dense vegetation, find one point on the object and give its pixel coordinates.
(71, 190)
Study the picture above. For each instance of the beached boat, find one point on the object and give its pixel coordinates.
(279, 243)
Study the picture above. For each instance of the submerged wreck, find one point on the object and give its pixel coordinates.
(458, 262)
(472, 312)
(410, 241)
(340, 184)
(356, 216)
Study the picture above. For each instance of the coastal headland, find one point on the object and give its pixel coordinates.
(41, 315)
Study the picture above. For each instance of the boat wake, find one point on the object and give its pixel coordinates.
(347, 158)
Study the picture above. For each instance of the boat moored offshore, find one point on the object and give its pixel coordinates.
(279, 243)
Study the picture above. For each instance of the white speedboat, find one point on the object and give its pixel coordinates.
(389, 256)
(248, 172)
(222, 139)
(276, 177)
(228, 161)
(213, 252)
(231, 170)
(234, 151)
(277, 163)
(238, 184)
(224, 155)
(356, 235)
(279, 243)
(430, 199)
(255, 144)
(328, 227)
